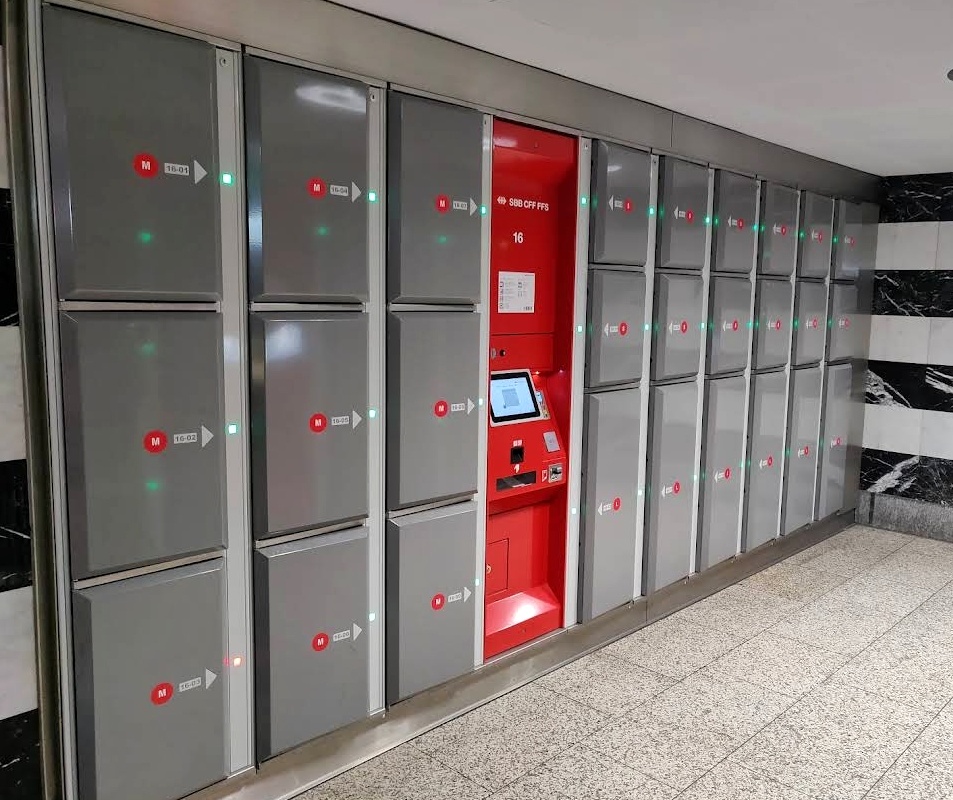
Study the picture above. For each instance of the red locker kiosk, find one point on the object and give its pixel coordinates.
(532, 265)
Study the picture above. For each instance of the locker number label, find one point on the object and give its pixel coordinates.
(518, 237)
(155, 441)
(146, 165)
(161, 693)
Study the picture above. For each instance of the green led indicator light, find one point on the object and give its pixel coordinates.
(835, 240)
(579, 329)
(145, 237)
(787, 452)
(757, 323)
(801, 234)
(372, 413)
(750, 324)
(584, 200)
(232, 428)
(795, 323)
(148, 348)
(152, 485)
(708, 220)
(323, 230)
(227, 178)
(651, 211)
(372, 197)
(482, 211)
(646, 326)
(442, 238)
(717, 221)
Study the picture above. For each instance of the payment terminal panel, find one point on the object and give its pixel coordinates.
(532, 265)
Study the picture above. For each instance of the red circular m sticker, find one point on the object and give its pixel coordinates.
(442, 203)
(676, 487)
(683, 327)
(146, 165)
(438, 601)
(623, 328)
(155, 441)
(161, 694)
(317, 187)
(320, 642)
(441, 408)
(318, 423)
(617, 504)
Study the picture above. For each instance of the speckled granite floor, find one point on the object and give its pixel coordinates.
(828, 676)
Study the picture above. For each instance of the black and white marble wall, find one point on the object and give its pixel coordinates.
(19, 717)
(908, 420)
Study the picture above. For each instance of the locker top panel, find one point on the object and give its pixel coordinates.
(307, 162)
(133, 160)
(735, 224)
(434, 201)
(309, 433)
(144, 427)
(815, 236)
(777, 249)
(683, 210)
(619, 212)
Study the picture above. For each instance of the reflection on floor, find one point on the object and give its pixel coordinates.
(828, 676)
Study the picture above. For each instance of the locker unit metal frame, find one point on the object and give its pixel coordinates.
(546, 105)
(237, 552)
(373, 307)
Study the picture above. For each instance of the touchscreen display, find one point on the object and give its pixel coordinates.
(512, 397)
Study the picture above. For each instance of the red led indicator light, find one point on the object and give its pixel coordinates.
(676, 487)
(690, 215)
(683, 327)
(814, 322)
(784, 230)
(623, 328)
(438, 601)
(741, 224)
(727, 473)
(627, 206)
(161, 694)
(846, 322)
(617, 504)
(442, 203)
(734, 324)
(807, 450)
(770, 461)
(820, 236)
(145, 165)
(440, 408)
(318, 423)
(317, 187)
(837, 441)
(155, 441)
(777, 324)
(320, 642)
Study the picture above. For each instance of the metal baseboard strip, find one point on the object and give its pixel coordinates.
(289, 775)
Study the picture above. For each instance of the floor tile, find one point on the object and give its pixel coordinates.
(674, 750)
(836, 625)
(793, 582)
(739, 610)
(869, 538)
(606, 682)
(930, 568)
(724, 703)
(400, 774)
(835, 743)
(908, 665)
(847, 560)
(585, 774)
(882, 592)
(674, 646)
(925, 770)
(788, 666)
(732, 781)
(504, 740)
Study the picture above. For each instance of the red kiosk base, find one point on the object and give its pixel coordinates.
(532, 278)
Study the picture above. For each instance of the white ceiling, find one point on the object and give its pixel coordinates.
(858, 82)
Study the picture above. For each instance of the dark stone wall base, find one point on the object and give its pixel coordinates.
(906, 516)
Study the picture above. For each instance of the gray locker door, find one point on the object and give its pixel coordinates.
(430, 619)
(765, 457)
(619, 212)
(150, 687)
(801, 463)
(728, 324)
(616, 311)
(142, 407)
(309, 426)
(850, 248)
(835, 494)
(677, 326)
(844, 324)
(683, 205)
(778, 242)
(815, 236)
(434, 179)
(810, 322)
(311, 673)
(668, 499)
(306, 159)
(433, 387)
(136, 211)
(772, 324)
(610, 486)
(724, 443)
(736, 203)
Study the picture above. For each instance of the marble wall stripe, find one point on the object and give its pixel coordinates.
(918, 198)
(20, 757)
(15, 543)
(924, 386)
(913, 293)
(909, 475)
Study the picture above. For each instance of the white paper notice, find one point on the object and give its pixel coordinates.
(517, 293)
